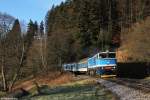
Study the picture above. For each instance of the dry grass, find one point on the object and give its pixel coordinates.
(52, 79)
(57, 79)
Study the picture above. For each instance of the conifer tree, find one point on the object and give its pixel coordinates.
(30, 34)
(42, 28)
(36, 28)
(84, 24)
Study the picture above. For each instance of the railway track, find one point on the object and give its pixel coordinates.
(133, 83)
(138, 84)
(127, 89)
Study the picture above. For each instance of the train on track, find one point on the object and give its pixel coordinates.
(102, 64)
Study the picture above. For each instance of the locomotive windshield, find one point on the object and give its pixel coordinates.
(107, 55)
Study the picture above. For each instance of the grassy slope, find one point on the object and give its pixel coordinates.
(2, 94)
(79, 90)
(136, 43)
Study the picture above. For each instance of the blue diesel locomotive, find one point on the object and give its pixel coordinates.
(102, 64)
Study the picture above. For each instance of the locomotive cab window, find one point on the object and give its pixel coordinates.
(103, 55)
(112, 55)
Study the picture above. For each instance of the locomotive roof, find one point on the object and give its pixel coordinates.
(107, 52)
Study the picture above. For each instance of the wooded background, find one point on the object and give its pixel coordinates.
(73, 30)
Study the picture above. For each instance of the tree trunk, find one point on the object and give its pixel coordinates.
(42, 55)
(18, 70)
(3, 76)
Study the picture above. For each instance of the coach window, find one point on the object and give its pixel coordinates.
(99, 56)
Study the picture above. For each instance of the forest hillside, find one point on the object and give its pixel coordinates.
(136, 43)
(78, 29)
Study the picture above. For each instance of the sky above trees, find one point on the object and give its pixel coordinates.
(27, 9)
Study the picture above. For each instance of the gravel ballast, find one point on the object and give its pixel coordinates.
(124, 92)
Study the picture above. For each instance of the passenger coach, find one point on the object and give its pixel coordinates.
(83, 65)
